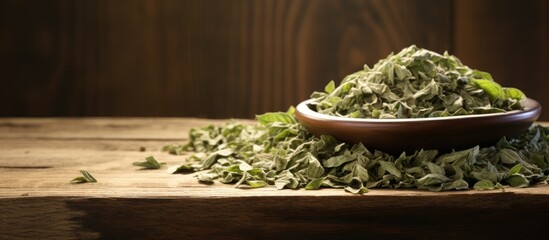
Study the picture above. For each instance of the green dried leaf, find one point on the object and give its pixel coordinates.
(482, 75)
(256, 183)
(433, 179)
(207, 178)
(515, 169)
(244, 167)
(85, 178)
(212, 158)
(315, 169)
(514, 93)
(281, 183)
(361, 173)
(428, 92)
(184, 168)
(508, 156)
(174, 149)
(286, 180)
(360, 190)
(436, 169)
(314, 184)
(499, 186)
(484, 185)
(517, 180)
(330, 87)
(391, 168)
(458, 184)
(149, 163)
(356, 187)
(490, 176)
(424, 156)
(493, 89)
(337, 161)
(338, 147)
(272, 117)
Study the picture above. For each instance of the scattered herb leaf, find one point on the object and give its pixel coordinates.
(484, 185)
(85, 178)
(184, 168)
(149, 163)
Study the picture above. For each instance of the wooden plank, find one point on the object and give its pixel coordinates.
(504, 216)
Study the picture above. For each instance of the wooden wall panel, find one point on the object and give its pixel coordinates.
(35, 57)
(207, 58)
(508, 39)
(237, 58)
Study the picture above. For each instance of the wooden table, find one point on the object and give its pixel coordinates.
(39, 157)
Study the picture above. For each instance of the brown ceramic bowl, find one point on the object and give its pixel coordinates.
(443, 133)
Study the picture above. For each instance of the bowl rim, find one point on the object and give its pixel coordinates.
(303, 108)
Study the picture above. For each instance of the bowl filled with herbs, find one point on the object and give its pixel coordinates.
(418, 99)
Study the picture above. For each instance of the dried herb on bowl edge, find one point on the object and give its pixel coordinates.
(413, 83)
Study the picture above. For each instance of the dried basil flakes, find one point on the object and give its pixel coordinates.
(416, 83)
(413, 83)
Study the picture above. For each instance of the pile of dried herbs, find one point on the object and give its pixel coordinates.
(416, 83)
(279, 151)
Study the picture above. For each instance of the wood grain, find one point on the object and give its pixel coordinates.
(503, 216)
(37, 200)
(215, 59)
(35, 57)
(508, 39)
(105, 128)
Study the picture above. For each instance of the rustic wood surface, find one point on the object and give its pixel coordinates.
(38, 158)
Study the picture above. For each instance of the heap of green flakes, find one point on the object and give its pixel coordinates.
(279, 151)
(416, 83)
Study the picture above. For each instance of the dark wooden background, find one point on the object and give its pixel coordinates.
(237, 58)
